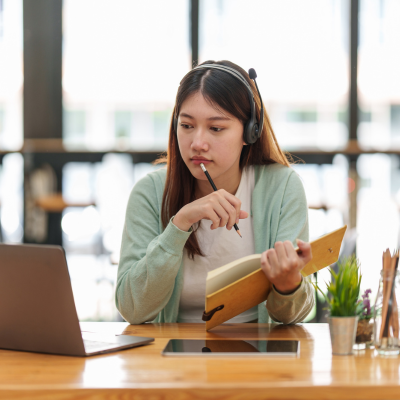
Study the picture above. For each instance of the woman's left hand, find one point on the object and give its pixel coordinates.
(282, 265)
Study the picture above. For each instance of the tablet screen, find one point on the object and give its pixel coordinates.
(232, 347)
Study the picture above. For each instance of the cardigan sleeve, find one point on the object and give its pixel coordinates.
(150, 260)
(293, 224)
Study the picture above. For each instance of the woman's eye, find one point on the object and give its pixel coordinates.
(215, 129)
(185, 126)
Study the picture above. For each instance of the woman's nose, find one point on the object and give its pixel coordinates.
(200, 141)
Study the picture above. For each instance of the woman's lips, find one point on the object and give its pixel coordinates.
(198, 162)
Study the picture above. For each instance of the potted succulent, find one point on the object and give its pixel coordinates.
(344, 292)
(365, 326)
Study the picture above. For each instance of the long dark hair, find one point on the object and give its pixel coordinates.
(227, 93)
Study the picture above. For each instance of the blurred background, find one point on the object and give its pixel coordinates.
(87, 89)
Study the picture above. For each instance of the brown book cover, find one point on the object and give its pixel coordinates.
(241, 284)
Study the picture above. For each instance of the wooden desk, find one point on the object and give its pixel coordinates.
(142, 373)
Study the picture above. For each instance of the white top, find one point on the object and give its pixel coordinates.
(220, 247)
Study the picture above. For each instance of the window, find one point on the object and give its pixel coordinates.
(11, 74)
(11, 198)
(378, 82)
(92, 235)
(122, 64)
(300, 52)
(378, 221)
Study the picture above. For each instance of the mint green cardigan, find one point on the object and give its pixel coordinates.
(150, 272)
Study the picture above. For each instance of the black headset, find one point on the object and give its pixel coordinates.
(252, 129)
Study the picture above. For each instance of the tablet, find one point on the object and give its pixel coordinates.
(216, 347)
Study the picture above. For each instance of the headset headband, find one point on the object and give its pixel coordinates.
(229, 70)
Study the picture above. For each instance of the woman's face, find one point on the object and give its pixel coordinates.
(209, 136)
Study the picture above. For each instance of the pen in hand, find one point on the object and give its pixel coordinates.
(215, 189)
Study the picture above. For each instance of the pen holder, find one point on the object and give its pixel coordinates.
(386, 314)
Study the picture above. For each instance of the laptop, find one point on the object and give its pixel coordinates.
(37, 309)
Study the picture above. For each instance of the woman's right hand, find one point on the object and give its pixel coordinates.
(220, 207)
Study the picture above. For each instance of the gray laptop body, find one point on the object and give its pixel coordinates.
(37, 309)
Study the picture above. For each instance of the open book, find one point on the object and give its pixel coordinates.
(241, 284)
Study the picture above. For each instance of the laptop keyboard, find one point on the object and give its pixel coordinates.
(91, 346)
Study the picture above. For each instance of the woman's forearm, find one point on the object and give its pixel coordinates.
(293, 308)
(145, 285)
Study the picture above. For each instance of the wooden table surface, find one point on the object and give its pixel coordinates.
(142, 373)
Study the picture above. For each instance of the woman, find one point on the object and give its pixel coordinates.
(177, 228)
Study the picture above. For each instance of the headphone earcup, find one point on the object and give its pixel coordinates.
(246, 132)
(250, 132)
(175, 124)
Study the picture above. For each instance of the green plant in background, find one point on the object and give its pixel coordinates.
(344, 288)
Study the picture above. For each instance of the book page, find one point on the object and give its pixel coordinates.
(229, 273)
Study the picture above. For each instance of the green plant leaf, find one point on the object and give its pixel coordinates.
(344, 288)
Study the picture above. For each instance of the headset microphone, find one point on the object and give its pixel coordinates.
(253, 76)
(252, 73)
